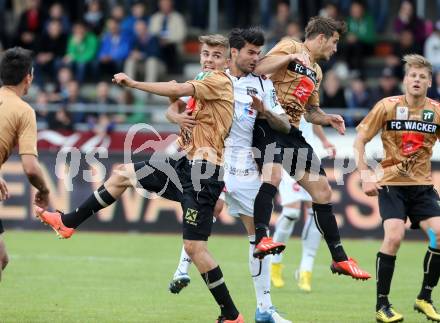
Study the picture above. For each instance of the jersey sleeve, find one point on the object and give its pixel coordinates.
(314, 97)
(373, 122)
(27, 133)
(283, 47)
(270, 98)
(213, 86)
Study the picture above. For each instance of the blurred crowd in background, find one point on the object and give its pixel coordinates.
(79, 45)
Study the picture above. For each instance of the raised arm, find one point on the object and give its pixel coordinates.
(272, 63)
(169, 89)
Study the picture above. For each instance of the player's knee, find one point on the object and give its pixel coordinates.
(434, 237)
(275, 179)
(192, 247)
(393, 242)
(322, 195)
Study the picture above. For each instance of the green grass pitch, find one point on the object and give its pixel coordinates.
(124, 278)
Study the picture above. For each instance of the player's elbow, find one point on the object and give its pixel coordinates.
(30, 166)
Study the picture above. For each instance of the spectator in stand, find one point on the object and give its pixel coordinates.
(358, 96)
(50, 52)
(114, 50)
(330, 10)
(408, 20)
(145, 55)
(103, 99)
(56, 12)
(388, 85)
(59, 93)
(41, 102)
(333, 94)
(432, 47)
(81, 50)
(169, 26)
(380, 11)
(279, 25)
(434, 90)
(294, 31)
(118, 12)
(94, 16)
(30, 25)
(103, 94)
(60, 120)
(137, 13)
(74, 98)
(360, 37)
(198, 11)
(406, 45)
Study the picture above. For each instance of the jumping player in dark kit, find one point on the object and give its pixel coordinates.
(297, 76)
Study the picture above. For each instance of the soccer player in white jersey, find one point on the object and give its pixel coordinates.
(253, 95)
(292, 194)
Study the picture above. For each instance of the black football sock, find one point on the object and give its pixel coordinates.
(326, 223)
(431, 273)
(100, 199)
(384, 269)
(263, 206)
(217, 286)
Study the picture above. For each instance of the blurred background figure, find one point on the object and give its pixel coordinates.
(81, 51)
(169, 26)
(144, 58)
(432, 47)
(388, 85)
(332, 92)
(360, 37)
(50, 51)
(279, 24)
(114, 49)
(408, 20)
(30, 25)
(94, 16)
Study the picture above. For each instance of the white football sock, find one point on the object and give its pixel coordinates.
(284, 228)
(260, 272)
(311, 237)
(184, 263)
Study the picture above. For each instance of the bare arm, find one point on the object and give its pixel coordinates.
(174, 109)
(319, 132)
(279, 122)
(368, 179)
(169, 89)
(34, 173)
(176, 114)
(271, 64)
(316, 116)
(4, 193)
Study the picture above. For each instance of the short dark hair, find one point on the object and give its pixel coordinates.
(327, 26)
(15, 64)
(239, 37)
